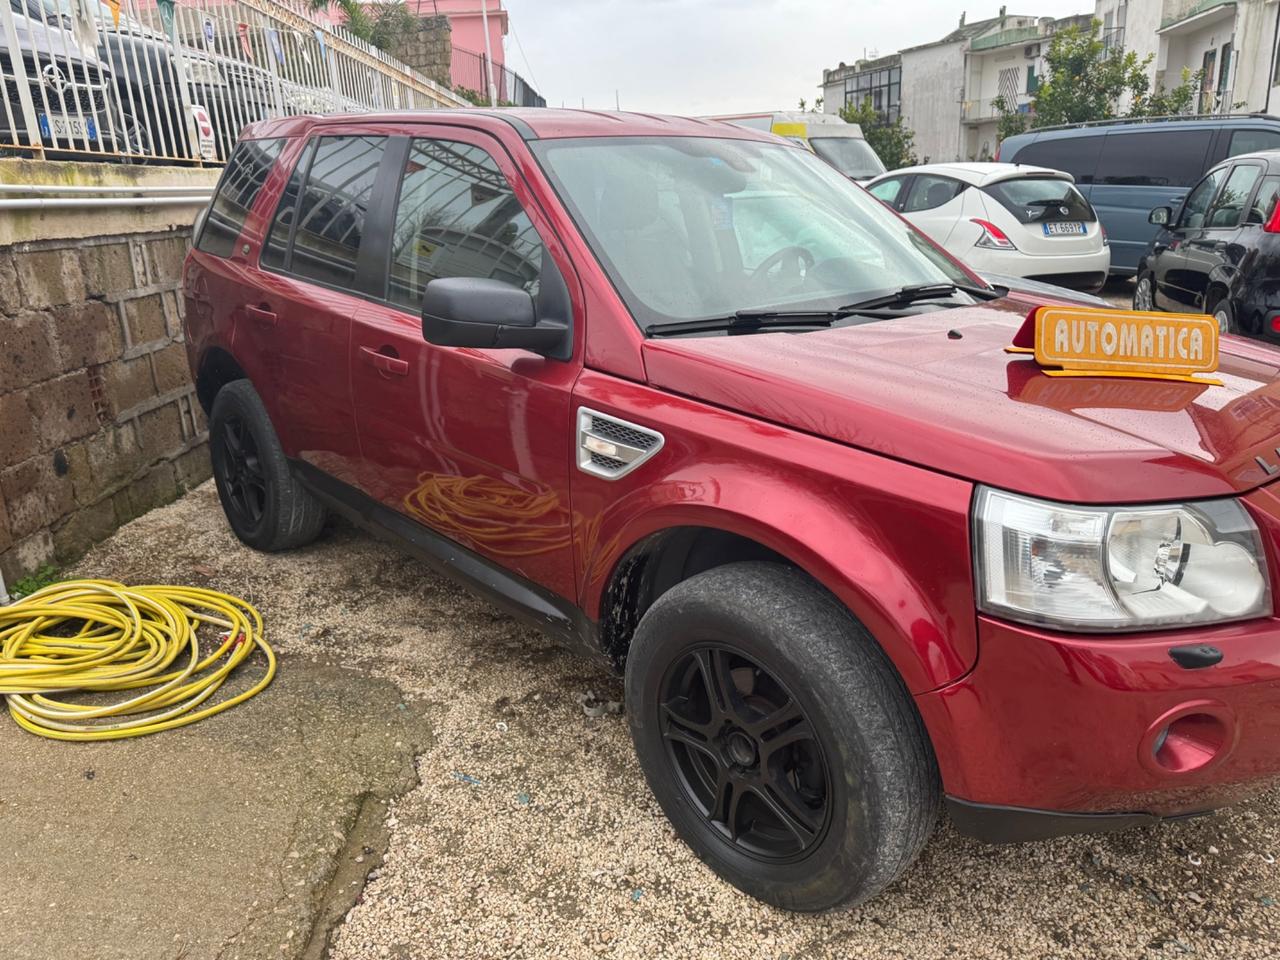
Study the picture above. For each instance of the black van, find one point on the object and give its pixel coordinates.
(1126, 168)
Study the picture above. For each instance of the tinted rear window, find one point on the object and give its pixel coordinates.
(1041, 200)
(1077, 156)
(244, 176)
(1154, 158)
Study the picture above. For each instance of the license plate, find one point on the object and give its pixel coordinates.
(67, 128)
(1064, 229)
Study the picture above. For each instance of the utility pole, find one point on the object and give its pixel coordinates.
(488, 52)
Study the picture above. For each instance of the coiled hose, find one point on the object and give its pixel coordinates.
(98, 636)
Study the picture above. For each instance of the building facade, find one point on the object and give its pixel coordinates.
(879, 81)
(1231, 42)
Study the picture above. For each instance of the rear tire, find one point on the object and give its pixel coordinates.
(1222, 312)
(265, 504)
(811, 730)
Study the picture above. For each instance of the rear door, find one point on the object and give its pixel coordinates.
(314, 271)
(475, 444)
(1139, 170)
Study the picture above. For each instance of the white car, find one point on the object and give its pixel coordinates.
(1004, 218)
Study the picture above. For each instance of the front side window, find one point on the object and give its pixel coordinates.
(1228, 209)
(1196, 208)
(887, 190)
(243, 177)
(457, 217)
(698, 228)
(331, 210)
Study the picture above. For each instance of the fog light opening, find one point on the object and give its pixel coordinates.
(1189, 743)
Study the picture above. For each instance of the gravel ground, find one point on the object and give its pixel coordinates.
(532, 833)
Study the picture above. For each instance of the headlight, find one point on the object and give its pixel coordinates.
(1127, 568)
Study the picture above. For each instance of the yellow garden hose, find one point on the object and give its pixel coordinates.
(96, 636)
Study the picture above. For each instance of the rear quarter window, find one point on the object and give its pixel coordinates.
(245, 173)
(1153, 158)
(1251, 141)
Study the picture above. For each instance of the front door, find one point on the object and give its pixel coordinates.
(1175, 288)
(1209, 250)
(475, 444)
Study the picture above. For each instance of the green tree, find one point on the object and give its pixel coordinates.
(893, 143)
(1084, 80)
(385, 23)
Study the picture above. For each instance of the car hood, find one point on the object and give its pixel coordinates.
(938, 390)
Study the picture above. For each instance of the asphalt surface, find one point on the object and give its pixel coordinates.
(514, 826)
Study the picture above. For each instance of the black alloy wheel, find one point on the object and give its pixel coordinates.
(745, 754)
(240, 470)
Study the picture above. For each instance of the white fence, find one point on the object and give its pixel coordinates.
(156, 81)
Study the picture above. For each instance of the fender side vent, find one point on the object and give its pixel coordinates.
(612, 448)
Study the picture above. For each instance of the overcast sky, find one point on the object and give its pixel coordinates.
(718, 56)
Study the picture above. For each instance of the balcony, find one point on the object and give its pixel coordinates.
(1006, 37)
(984, 111)
(1180, 12)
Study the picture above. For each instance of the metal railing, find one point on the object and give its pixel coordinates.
(153, 81)
(976, 111)
(469, 76)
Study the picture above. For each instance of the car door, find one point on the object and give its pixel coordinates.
(1174, 286)
(933, 203)
(1212, 253)
(473, 443)
(295, 319)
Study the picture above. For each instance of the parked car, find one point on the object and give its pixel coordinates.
(839, 143)
(1219, 251)
(1004, 218)
(688, 399)
(1125, 168)
(221, 94)
(71, 90)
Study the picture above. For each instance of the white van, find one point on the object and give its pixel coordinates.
(840, 144)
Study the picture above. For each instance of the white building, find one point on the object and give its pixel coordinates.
(945, 90)
(1232, 41)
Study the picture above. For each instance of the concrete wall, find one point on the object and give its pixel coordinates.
(932, 81)
(98, 418)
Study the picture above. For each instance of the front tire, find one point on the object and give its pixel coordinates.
(266, 506)
(778, 738)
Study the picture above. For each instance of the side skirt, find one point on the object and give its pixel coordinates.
(526, 601)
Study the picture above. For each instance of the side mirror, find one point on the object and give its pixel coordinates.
(1160, 216)
(479, 312)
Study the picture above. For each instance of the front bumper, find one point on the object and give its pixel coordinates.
(1110, 724)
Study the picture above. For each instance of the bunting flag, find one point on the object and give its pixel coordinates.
(242, 29)
(324, 51)
(300, 44)
(273, 37)
(114, 6)
(210, 31)
(167, 19)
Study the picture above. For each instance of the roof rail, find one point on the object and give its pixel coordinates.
(1133, 120)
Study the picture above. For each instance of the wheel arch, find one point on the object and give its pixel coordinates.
(926, 645)
(216, 369)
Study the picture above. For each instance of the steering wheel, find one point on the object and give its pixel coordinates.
(802, 258)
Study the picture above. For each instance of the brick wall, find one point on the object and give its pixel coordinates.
(98, 417)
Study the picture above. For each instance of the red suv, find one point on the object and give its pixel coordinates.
(680, 394)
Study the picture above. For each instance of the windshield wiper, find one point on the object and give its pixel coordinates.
(905, 296)
(749, 321)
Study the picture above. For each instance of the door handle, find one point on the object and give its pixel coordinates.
(384, 362)
(261, 314)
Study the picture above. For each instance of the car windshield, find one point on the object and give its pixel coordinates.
(695, 228)
(852, 156)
